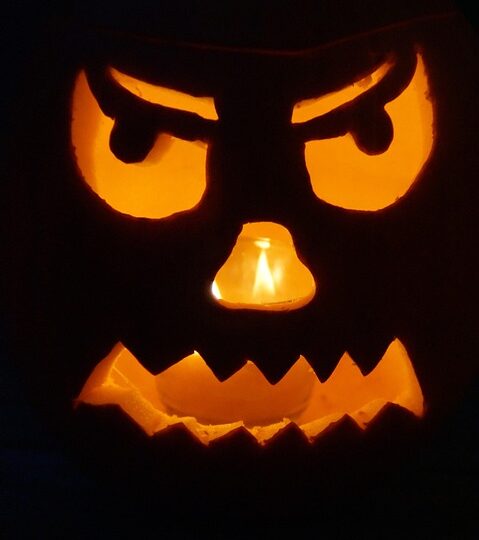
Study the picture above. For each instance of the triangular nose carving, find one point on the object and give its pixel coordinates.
(264, 272)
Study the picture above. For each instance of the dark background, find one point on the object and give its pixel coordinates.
(44, 494)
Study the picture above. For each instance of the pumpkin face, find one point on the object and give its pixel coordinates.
(261, 276)
(251, 245)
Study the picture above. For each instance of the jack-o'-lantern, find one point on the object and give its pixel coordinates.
(247, 244)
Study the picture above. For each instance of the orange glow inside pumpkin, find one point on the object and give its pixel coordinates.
(172, 178)
(211, 409)
(343, 175)
(189, 393)
(312, 108)
(263, 271)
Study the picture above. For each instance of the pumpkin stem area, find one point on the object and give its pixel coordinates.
(210, 408)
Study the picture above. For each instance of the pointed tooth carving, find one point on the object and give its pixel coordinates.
(274, 364)
(366, 414)
(392, 421)
(343, 436)
(341, 444)
(154, 357)
(343, 429)
(323, 368)
(159, 362)
(288, 440)
(177, 438)
(324, 359)
(222, 362)
(240, 439)
(368, 351)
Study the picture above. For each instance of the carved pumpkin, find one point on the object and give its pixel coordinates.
(244, 249)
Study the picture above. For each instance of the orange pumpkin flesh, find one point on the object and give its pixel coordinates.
(120, 379)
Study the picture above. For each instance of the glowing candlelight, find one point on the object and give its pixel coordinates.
(264, 272)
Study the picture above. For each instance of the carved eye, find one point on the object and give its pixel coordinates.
(172, 176)
(343, 174)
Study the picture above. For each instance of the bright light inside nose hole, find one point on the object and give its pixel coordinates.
(263, 271)
(215, 291)
(263, 243)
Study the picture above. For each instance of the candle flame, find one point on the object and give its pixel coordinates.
(264, 282)
(263, 271)
(263, 243)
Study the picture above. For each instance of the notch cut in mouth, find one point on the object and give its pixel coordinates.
(210, 409)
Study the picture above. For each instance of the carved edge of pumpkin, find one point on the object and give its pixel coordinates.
(107, 420)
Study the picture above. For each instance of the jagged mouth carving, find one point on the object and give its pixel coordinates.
(189, 393)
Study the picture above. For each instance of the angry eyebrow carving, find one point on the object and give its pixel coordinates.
(365, 116)
(167, 97)
(317, 106)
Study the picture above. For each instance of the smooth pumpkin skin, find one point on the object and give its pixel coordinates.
(79, 276)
